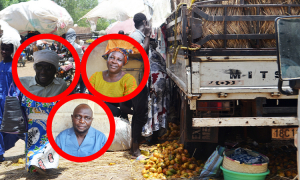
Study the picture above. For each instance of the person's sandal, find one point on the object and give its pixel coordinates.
(141, 157)
(133, 157)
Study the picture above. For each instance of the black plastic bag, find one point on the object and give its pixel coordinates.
(14, 119)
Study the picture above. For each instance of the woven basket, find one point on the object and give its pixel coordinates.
(234, 165)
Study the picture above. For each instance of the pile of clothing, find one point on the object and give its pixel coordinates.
(244, 156)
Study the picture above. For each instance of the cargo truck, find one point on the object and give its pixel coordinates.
(222, 60)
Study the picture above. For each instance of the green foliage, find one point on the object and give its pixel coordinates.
(78, 8)
(6, 3)
(102, 24)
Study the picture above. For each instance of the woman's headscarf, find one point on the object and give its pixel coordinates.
(125, 53)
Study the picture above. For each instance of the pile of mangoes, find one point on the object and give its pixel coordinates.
(171, 160)
(282, 158)
(283, 162)
(172, 132)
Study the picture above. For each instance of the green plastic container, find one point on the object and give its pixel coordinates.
(231, 175)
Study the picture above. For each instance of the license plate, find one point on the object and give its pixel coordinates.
(283, 133)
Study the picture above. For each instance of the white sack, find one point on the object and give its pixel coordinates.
(156, 11)
(116, 9)
(10, 36)
(122, 135)
(39, 43)
(44, 16)
(161, 10)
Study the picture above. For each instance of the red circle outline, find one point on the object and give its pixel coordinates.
(146, 68)
(15, 71)
(111, 131)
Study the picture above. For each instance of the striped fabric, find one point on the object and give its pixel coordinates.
(212, 165)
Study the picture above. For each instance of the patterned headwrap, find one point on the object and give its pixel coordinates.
(125, 53)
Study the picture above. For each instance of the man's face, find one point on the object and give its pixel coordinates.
(6, 50)
(82, 118)
(45, 72)
(115, 62)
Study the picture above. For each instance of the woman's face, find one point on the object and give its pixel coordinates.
(115, 62)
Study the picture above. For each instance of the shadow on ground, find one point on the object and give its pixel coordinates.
(14, 158)
(21, 173)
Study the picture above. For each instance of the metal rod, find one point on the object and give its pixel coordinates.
(235, 18)
(204, 2)
(235, 52)
(250, 5)
(257, 26)
(225, 26)
(298, 135)
(233, 36)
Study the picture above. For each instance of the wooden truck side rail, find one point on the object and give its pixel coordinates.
(197, 17)
(189, 29)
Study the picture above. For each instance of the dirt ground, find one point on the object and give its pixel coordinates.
(27, 70)
(124, 167)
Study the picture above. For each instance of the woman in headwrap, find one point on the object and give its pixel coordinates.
(159, 96)
(10, 41)
(114, 82)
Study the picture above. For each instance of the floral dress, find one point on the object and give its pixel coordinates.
(159, 96)
(38, 150)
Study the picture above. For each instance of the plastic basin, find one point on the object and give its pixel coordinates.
(231, 175)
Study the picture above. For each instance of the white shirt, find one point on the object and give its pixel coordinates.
(57, 86)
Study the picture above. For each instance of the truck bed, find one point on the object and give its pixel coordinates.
(224, 72)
